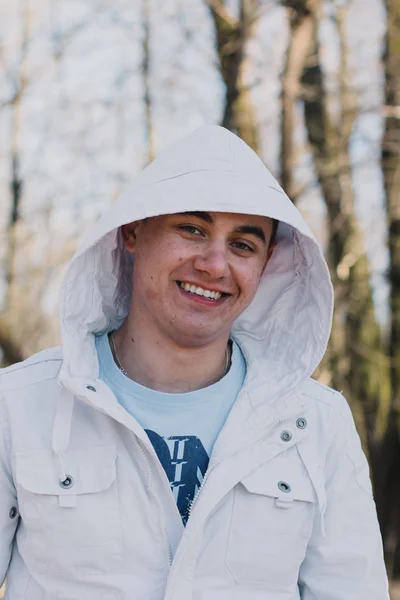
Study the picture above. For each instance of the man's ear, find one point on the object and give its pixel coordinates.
(129, 235)
(269, 255)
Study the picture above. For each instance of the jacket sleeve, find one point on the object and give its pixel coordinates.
(344, 558)
(8, 499)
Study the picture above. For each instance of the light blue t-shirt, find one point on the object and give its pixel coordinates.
(182, 427)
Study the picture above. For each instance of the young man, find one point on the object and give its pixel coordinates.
(176, 448)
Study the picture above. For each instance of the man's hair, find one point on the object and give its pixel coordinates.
(275, 224)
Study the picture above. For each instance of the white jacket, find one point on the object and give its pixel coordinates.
(285, 510)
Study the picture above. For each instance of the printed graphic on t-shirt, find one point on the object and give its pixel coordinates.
(185, 462)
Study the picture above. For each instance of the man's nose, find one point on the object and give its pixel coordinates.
(214, 261)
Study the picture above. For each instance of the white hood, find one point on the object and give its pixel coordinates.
(285, 329)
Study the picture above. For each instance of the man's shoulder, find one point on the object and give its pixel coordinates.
(325, 397)
(39, 367)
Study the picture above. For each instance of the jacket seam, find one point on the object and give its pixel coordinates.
(19, 366)
(321, 400)
(337, 409)
(326, 388)
(334, 394)
(28, 385)
(192, 172)
(348, 435)
(6, 434)
(349, 454)
(355, 472)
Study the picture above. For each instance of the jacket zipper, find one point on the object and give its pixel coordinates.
(150, 489)
(265, 434)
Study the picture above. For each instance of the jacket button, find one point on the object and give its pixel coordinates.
(301, 423)
(13, 513)
(286, 436)
(67, 483)
(91, 388)
(284, 487)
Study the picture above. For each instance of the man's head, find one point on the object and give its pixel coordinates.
(195, 273)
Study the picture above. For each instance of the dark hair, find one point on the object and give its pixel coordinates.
(272, 239)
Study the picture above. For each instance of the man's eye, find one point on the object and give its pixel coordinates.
(190, 229)
(242, 246)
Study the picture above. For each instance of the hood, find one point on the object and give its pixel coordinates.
(284, 331)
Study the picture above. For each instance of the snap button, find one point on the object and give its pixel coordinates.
(286, 436)
(13, 513)
(301, 423)
(91, 388)
(284, 487)
(67, 483)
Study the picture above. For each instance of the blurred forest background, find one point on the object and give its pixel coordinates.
(91, 90)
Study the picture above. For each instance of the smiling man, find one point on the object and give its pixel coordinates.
(195, 273)
(175, 447)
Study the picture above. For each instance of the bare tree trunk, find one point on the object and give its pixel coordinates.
(356, 356)
(11, 352)
(388, 467)
(355, 352)
(15, 179)
(146, 77)
(232, 36)
(302, 35)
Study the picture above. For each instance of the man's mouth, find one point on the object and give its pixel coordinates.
(199, 291)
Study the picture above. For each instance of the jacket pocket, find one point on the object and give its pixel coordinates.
(272, 519)
(69, 529)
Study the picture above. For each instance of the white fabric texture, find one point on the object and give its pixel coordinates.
(285, 510)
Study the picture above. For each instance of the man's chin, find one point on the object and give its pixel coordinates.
(195, 335)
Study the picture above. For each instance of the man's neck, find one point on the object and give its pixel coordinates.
(159, 363)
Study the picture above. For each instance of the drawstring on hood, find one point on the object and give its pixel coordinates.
(62, 429)
(284, 331)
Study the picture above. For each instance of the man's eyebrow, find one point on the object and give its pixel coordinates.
(204, 216)
(249, 229)
(252, 230)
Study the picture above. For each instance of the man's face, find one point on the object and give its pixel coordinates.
(195, 273)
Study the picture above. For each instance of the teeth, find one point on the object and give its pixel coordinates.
(200, 291)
